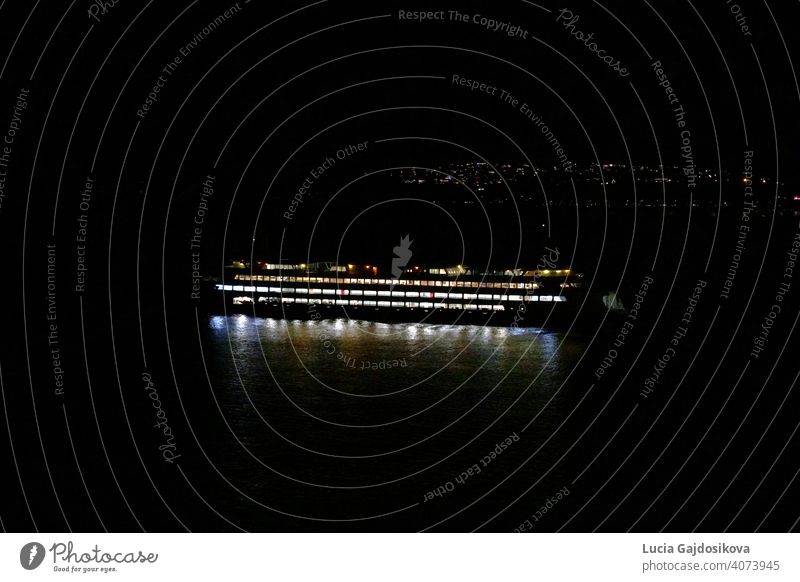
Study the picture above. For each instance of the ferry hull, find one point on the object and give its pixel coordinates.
(552, 315)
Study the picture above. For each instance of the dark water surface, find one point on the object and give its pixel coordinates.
(336, 420)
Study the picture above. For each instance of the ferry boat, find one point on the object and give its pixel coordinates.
(451, 294)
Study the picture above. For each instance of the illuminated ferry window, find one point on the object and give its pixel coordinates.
(218, 287)
(426, 305)
(237, 278)
(327, 301)
(275, 289)
(301, 300)
(342, 302)
(384, 303)
(545, 298)
(398, 294)
(263, 299)
(238, 288)
(459, 283)
(426, 294)
(559, 298)
(515, 297)
(471, 306)
(356, 292)
(484, 307)
(370, 303)
(531, 298)
(288, 290)
(498, 297)
(287, 299)
(471, 296)
(454, 295)
(412, 294)
(329, 291)
(370, 292)
(384, 293)
(315, 291)
(454, 306)
(356, 302)
(301, 290)
(484, 297)
(440, 305)
(412, 304)
(398, 304)
(227, 287)
(240, 300)
(315, 300)
(343, 292)
(498, 307)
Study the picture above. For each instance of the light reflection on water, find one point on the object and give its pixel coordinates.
(316, 413)
(315, 364)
